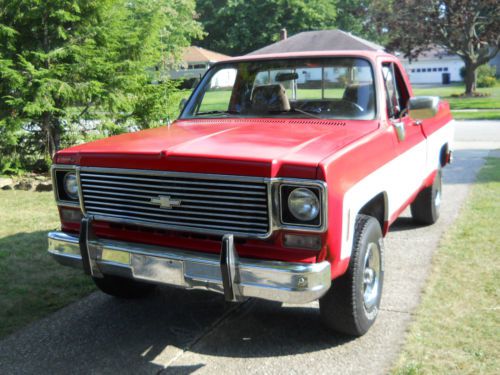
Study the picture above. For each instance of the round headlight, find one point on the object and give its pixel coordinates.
(303, 204)
(71, 185)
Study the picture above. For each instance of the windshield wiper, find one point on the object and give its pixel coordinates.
(217, 113)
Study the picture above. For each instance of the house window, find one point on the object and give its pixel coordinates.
(440, 69)
(197, 66)
(434, 69)
(445, 69)
(418, 70)
(413, 70)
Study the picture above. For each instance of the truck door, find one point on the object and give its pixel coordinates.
(410, 148)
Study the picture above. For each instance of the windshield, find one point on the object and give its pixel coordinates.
(340, 88)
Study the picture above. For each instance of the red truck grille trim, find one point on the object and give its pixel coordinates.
(214, 204)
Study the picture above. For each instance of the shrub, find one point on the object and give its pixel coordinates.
(486, 76)
(486, 82)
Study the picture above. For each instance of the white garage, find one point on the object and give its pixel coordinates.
(435, 66)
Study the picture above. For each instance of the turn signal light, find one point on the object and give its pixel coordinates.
(302, 242)
(70, 215)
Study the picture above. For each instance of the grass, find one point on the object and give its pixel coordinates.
(457, 326)
(446, 92)
(479, 115)
(32, 283)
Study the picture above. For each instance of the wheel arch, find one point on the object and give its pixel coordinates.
(443, 155)
(378, 207)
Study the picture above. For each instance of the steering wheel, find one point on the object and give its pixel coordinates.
(353, 105)
(314, 107)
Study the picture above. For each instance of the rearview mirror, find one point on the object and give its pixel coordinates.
(281, 77)
(423, 107)
(182, 104)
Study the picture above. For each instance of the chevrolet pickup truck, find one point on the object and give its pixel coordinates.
(279, 180)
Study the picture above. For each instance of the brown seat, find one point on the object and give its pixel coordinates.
(270, 98)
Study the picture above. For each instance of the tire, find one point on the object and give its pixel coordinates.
(352, 303)
(425, 207)
(123, 288)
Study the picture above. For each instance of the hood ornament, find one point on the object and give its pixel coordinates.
(166, 202)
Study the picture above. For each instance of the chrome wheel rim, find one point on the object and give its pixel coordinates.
(437, 199)
(437, 196)
(371, 275)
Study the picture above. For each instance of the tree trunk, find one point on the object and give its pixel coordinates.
(470, 78)
(52, 129)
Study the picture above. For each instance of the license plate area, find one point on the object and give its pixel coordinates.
(151, 268)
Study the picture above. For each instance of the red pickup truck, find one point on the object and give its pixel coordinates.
(279, 181)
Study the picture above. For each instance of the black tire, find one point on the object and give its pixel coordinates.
(123, 288)
(425, 207)
(352, 303)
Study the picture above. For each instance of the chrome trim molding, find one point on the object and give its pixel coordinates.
(62, 167)
(323, 201)
(273, 201)
(151, 172)
(271, 280)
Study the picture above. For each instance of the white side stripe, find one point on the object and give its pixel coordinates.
(399, 179)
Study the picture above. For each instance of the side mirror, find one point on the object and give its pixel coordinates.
(182, 104)
(423, 107)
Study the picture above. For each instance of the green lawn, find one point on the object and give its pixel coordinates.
(479, 115)
(457, 326)
(32, 283)
(446, 92)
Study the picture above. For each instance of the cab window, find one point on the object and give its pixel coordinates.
(395, 88)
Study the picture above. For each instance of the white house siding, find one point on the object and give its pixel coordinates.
(432, 70)
(223, 78)
(193, 69)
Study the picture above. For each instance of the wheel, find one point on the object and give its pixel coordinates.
(425, 207)
(352, 303)
(123, 288)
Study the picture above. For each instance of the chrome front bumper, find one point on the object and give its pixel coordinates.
(236, 278)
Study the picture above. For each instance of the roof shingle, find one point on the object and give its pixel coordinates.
(323, 40)
(198, 54)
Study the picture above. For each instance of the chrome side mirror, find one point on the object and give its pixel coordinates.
(182, 104)
(423, 107)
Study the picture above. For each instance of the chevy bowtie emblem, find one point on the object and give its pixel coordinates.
(166, 202)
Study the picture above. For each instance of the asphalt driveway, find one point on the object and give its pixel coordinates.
(182, 332)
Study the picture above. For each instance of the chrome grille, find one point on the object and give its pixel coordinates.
(209, 204)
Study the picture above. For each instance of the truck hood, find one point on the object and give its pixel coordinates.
(254, 147)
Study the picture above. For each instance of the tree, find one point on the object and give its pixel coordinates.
(63, 61)
(237, 27)
(468, 28)
(356, 17)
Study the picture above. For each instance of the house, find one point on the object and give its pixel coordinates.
(195, 62)
(435, 66)
(438, 66)
(495, 61)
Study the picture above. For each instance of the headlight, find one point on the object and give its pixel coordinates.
(71, 185)
(303, 204)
